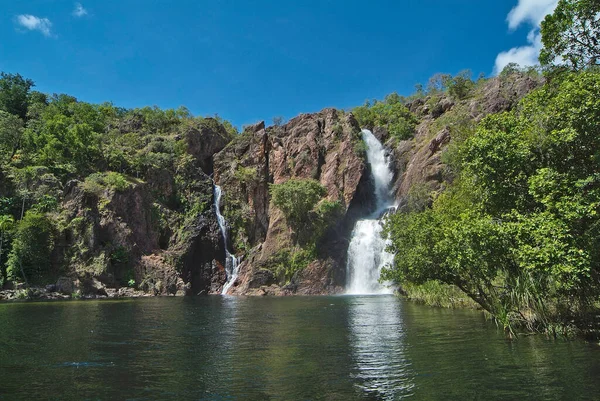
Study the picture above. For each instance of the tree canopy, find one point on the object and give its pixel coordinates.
(571, 35)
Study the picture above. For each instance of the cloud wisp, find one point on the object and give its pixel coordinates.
(33, 23)
(79, 11)
(532, 13)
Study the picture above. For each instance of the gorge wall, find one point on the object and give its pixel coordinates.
(160, 231)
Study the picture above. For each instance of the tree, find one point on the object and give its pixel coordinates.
(438, 83)
(519, 229)
(33, 242)
(390, 114)
(6, 225)
(278, 121)
(14, 94)
(571, 34)
(296, 198)
(461, 85)
(11, 132)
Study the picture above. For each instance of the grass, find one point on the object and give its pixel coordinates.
(434, 293)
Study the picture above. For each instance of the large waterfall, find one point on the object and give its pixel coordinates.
(231, 262)
(366, 253)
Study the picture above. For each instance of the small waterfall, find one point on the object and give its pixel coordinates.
(231, 262)
(366, 253)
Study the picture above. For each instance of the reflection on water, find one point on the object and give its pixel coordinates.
(377, 341)
(295, 348)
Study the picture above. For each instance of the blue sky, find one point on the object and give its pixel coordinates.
(253, 60)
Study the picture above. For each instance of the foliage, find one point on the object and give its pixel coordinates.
(6, 228)
(518, 230)
(435, 293)
(296, 198)
(391, 114)
(288, 261)
(11, 132)
(245, 174)
(98, 182)
(461, 85)
(458, 87)
(48, 143)
(571, 34)
(14, 94)
(32, 247)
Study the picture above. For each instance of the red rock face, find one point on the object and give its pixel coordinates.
(323, 146)
(419, 160)
(320, 146)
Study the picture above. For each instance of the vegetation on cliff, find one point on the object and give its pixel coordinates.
(517, 229)
(73, 174)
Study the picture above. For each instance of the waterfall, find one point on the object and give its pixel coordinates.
(231, 262)
(366, 252)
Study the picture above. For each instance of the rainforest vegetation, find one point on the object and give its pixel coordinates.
(48, 142)
(518, 228)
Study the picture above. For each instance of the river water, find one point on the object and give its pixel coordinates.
(296, 348)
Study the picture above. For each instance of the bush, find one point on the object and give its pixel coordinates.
(32, 247)
(99, 182)
(395, 117)
(287, 262)
(296, 198)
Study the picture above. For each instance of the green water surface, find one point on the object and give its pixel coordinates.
(296, 348)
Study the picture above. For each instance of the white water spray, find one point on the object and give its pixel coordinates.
(231, 262)
(366, 253)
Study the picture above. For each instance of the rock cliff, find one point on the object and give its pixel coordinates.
(160, 231)
(324, 146)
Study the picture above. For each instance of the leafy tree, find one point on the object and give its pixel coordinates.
(296, 198)
(14, 93)
(32, 246)
(391, 114)
(571, 34)
(6, 226)
(438, 83)
(519, 229)
(461, 85)
(11, 132)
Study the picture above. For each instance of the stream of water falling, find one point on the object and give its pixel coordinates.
(366, 253)
(231, 262)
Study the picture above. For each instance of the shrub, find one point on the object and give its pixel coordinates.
(32, 246)
(296, 198)
(99, 182)
(395, 117)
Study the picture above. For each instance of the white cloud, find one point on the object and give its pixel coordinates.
(531, 12)
(79, 11)
(34, 23)
(523, 55)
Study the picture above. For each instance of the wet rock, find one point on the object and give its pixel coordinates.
(65, 285)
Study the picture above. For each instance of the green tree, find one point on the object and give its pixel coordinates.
(460, 86)
(11, 133)
(14, 93)
(6, 227)
(518, 230)
(30, 257)
(391, 114)
(571, 35)
(296, 198)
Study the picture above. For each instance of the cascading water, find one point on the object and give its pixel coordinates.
(231, 262)
(366, 253)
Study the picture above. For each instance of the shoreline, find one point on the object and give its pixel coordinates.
(42, 294)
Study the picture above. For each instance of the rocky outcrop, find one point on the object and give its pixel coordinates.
(419, 165)
(324, 146)
(159, 235)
